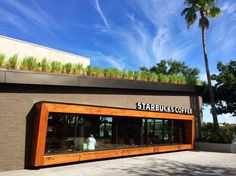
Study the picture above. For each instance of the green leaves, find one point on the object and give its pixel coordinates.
(28, 63)
(12, 62)
(185, 11)
(2, 58)
(44, 65)
(55, 67)
(226, 87)
(190, 15)
(206, 8)
(223, 135)
(213, 12)
(174, 67)
(166, 71)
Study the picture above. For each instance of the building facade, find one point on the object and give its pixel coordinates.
(47, 119)
(10, 46)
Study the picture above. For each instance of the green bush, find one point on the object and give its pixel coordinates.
(12, 62)
(182, 80)
(144, 75)
(90, 70)
(136, 75)
(44, 64)
(107, 73)
(115, 73)
(130, 74)
(2, 58)
(55, 66)
(164, 78)
(78, 69)
(124, 74)
(29, 63)
(223, 135)
(191, 80)
(153, 77)
(67, 68)
(99, 72)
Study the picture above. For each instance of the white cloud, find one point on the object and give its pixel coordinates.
(146, 45)
(222, 40)
(35, 14)
(99, 58)
(104, 19)
(158, 12)
(9, 18)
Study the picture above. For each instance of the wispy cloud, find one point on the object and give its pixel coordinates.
(222, 38)
(104, 19)
(98, 58)
(32, 12)
(160, 13)
(14, 20)
(149, 46)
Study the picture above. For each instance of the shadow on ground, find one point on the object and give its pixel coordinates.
(167, 167)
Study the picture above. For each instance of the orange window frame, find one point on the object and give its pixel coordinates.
(41, 122)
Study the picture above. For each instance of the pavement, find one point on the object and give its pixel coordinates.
(173, 163)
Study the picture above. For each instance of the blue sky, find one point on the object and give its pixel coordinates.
(123, 34)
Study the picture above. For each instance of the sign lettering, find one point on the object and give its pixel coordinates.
(163, 108)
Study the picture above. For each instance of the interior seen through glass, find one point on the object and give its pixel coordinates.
(78, 133)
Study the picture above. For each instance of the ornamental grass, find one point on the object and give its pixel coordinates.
(30, 63)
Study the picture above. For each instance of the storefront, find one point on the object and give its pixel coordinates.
(55, 115)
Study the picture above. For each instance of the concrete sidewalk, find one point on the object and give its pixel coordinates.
(177, 163)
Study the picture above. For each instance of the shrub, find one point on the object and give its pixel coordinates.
(136, 75)
(115, 73)
(55, 66)
(144, 75)
(29, 63)
(153, 77)
(107, 73)
(130, 74)
(44, 64)
(163, 78)
(124, 74)
(67, 68)
(2, 58)
(223, 135)
(90, 70)
(77, 69)
(191, 80)
(199, 83)
(12, 62)
(182, 80)
(98, 71)
(173, 79)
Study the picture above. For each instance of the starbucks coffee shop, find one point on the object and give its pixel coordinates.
(46, 119)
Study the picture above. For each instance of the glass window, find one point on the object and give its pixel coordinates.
(61, 133)
(129, 132)
(68, 133)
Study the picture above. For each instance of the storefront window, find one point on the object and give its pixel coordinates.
(61, 133)
(67, 133)
(129, 132)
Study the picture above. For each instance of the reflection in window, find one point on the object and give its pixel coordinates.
(68, 133)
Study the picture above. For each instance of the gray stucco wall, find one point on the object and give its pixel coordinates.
(15, 106)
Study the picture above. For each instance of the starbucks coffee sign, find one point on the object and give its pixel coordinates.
(163, 108)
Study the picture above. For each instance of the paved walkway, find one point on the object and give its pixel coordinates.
(177, 163)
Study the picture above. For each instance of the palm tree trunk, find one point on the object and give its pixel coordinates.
(211, 94)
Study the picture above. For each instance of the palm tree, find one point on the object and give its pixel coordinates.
(206, 9)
